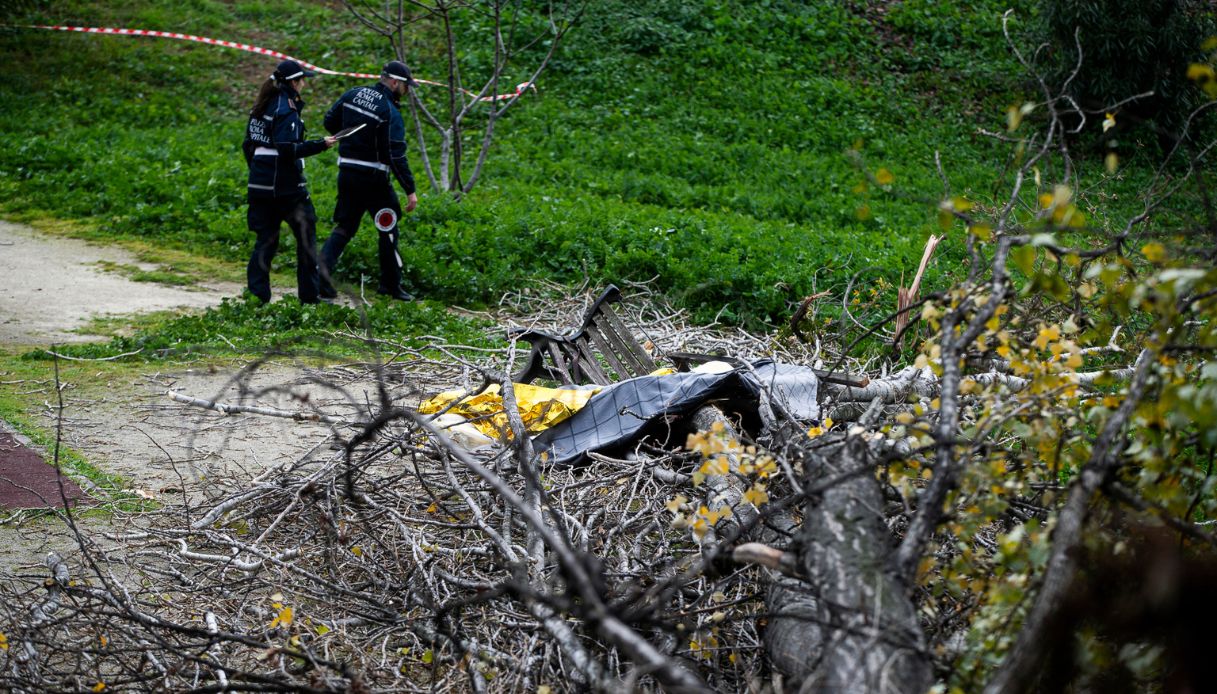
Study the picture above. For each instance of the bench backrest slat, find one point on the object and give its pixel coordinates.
(588, 364)
(601, 351)
(604, 343)
(642, 362)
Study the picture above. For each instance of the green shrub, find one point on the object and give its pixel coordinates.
(1129, 47)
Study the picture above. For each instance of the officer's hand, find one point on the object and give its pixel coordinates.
(330, 142)
(411, 202)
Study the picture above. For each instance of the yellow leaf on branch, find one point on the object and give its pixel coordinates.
(1047, 335)
(1200, 72)
(1154, 252)
(756, 495)
(284, 618)
(675, 504)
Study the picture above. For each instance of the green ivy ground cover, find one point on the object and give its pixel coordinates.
(698, 143)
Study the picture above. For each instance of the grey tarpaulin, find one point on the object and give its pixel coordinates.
(620, 413)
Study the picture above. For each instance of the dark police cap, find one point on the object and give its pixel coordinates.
(398, 71)
(289, 70)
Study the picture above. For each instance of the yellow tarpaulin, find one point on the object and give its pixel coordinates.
(540, 407)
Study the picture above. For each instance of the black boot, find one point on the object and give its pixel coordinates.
(398, 293)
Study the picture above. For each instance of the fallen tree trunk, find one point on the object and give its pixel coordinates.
(894, 388)
(851, 625)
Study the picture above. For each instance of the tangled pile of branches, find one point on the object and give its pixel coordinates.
(397, 560)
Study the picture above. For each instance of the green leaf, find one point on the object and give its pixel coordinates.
(1024, 259)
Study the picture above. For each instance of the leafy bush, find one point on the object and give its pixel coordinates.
(1130, 47)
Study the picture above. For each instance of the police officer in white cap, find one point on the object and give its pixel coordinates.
(366, 159)
(274, 149)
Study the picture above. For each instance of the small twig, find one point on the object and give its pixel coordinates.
(226, 408)
(116, 356)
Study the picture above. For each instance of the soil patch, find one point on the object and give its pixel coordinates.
(166, 449)
(169, 453)
(26, 481)
(182, 456)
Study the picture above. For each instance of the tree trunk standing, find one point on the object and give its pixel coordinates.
(850, 626)
(452, 174)
(421, 140)
(487, 136)
(509, 40)
(445, 154)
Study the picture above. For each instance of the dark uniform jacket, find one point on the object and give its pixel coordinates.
(381, 143)
(275, 148)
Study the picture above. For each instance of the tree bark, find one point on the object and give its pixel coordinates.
(851, 625)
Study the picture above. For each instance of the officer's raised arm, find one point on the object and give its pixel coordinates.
(287, 134)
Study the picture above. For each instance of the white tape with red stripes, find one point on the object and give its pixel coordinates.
(111, 31)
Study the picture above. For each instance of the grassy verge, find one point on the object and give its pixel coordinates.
(169, 276)
(30, 387)
(243, 326)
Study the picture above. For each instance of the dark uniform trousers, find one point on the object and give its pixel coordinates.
(265, 217)
(365, 192)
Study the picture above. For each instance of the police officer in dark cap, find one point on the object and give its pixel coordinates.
(366, 158)
(274, 149)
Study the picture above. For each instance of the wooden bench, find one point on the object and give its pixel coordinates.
(604, 351)
(601, 351)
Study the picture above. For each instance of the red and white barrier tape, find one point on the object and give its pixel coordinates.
(252, 49)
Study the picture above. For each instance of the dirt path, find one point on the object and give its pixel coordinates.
(171, 452)
(53, 285)
(125, 425)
